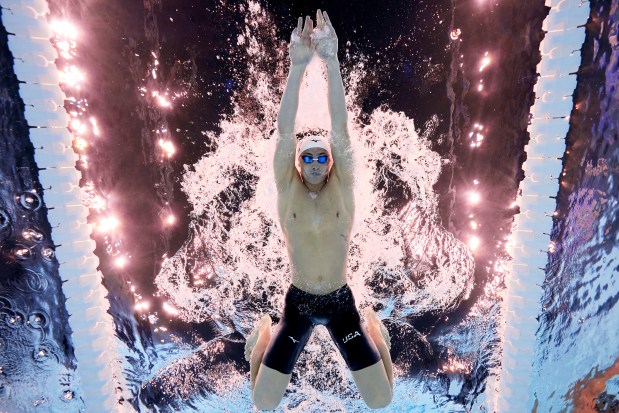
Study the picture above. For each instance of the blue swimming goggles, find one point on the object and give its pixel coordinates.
(311, 159)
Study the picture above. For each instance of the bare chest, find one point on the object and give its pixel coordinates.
(304, 213)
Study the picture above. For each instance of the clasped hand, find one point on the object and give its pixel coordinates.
(305, 40)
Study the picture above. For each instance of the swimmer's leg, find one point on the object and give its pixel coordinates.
(269, 388)
(379, 334)
(366, 353)
(256, 344)
(267, 385)
(273, 357)
(374, 385)
(375, 382)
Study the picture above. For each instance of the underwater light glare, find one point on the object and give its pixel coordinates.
(120, 262)
(108, 224)
(474, 198)
(474, 242)
(64, 28)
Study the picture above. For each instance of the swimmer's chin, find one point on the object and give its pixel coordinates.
(316, 180)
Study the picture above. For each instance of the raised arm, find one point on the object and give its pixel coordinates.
(324, 41)
(337, 102)
(300, 54)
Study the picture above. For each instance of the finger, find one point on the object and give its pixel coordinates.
(300, 25)
(308, 26)
(319, 20)
(326, 17)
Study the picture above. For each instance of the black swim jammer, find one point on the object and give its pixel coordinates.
(337, 312)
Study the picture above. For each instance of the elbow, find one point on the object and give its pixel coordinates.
(285, 122)
(339, 124)
(380, 401)
(283, 127)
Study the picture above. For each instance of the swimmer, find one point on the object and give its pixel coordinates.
(314, 180)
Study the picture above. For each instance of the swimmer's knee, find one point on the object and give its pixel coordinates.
(264, 401)
(379, 401)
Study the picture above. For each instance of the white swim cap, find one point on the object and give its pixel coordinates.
(312, 142)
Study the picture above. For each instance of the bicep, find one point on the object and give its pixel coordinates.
(283, 159)
(343, 160)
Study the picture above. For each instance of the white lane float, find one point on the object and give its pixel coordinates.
(99, 367)
(549, 125)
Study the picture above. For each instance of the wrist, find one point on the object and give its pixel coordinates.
(332, 62)
(298, 66)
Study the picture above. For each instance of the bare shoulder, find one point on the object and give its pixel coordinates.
(343, 159)
(283, 159)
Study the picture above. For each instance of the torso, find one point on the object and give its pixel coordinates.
(317, 232)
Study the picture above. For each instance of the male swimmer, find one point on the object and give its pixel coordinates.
(314, 180)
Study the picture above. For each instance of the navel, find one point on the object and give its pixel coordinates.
(294, 216)
(338, 214)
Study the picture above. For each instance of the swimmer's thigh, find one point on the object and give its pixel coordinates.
(280, 356)
(361, 356)
(269, 388)
(373, 385)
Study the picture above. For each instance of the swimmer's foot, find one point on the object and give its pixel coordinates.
(375, 326)
(263, 326)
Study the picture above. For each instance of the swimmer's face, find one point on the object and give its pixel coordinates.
(314, 172)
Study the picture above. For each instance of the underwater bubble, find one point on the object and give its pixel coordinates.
(14, 320)
(47, 253)
(30, 200)
(455, 34)
(38, 319)
(45, 355)
(32, 235)
(22, 252)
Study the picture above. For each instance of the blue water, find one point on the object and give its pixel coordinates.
(577, 344)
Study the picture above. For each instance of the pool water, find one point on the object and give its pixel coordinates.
(179, 103)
